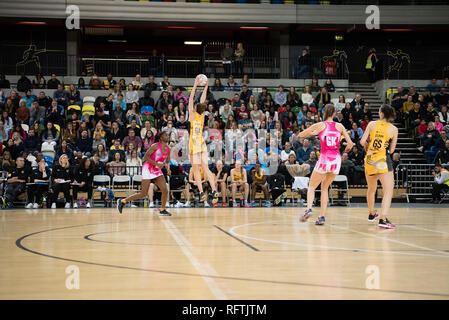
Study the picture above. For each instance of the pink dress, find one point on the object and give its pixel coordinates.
(150, 171)
(330, 158)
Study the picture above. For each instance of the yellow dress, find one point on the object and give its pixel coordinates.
(196, 140)
(377, 159)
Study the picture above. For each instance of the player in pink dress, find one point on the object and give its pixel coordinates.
(329, 163)
(154, 160)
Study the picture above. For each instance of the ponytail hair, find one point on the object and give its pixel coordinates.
(157, 138)
(329, 111)
(388, 111)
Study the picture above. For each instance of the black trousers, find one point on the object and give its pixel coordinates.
(239, 68)
(86, 187)
(436, 190)
(36, 192)
(61, 187)
(13, 190)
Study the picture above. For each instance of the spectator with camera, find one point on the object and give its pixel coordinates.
(441, 182)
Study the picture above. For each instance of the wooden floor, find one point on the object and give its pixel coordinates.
(223, 253)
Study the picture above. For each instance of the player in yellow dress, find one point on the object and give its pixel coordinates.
(197, 146)
(380, 139)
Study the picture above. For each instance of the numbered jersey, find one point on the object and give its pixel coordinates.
(196, 140)
(377, 158)
(330, 159)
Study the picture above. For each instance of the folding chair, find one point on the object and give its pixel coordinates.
(136, 181)
(344, 179)
(100, 180)
(179, 189)
(88, 100)
(121, 180)
(445, 195)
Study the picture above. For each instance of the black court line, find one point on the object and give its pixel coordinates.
(239, 240)
(21, 246)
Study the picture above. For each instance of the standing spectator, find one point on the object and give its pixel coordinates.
(16, 183)
(370, 66)
(304, 63)
(53, 82)
(4, 83)
(226, 56)
(23, 84)
(39, 82)
(239, 54)
(154, 63)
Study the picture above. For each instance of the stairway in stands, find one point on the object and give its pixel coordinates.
(406, 146)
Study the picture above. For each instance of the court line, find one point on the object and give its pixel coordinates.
(21, 246)
(184, 244)
(236, 238)
(336, 248)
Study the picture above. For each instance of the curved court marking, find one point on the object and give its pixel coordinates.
(445, 255)
(21, 246)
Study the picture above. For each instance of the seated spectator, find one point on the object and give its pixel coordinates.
(53, 82)
(23, 113)
(303, 153)
(82, 181)
(441, 182)
(137, 83)
(115, 133)
(109, 83)
(311, 161)
(441, 140)
(415, 116)
(444, 115)
(119, 102)
(61, 96)
(95, 82)
(131, 95)
(4, 83)
(322, 98)
(23, 84)
(64, 148)
(16, 183)
(116, 166)
(428, 98)
(32, 143)
(74, 96)
(37, 113)
(443, 156)
(133, 163)
(422, 129)
(314, 86)
(438, 124)
(356, 133)
(217, 85)
(329, 85)
(50, 136)
(398, 99)
(244, 121)
(62, 177)
(81, 84)
(4, 134)
(192, 186)
(221, 173)
(280, 98)
(261, 97)
(29, 98)
(433, 86)
(358, 103)
(8, 162)
(84, 144)
(259, 181)
(347, 167)
(53, 114)
(179, 95)
(239, 182)
(231, 85)
(348, 112)
(135, 139)
(245, 94)
(43, 100)
(341, 103)
(116, 147)
(182, 124)
(430, 137)
(285, 154)
(40, 176)
(163, 85)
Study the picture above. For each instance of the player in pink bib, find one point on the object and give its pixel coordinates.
(154, 159)
(329, 163)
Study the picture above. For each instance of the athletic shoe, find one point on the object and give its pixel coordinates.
(320, 221)
(247, 205)
(178, 205)
(187, 205)
(372, 217)
(2, 202)
(215, 205)
(206, 204)
(53, 205)
(29, 206)
(164, 213)
(120, 205)
(306, 215)
(234, 204)
(386, 224)
(35, 206)
(88, 205)
(133, 206)
(202, 197)
(267, 204)
(253, 204)
(214, 195)
(67, 205)
(151, 205)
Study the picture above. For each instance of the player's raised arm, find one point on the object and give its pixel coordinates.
(312, 130)
(204, 95)
(192, 97)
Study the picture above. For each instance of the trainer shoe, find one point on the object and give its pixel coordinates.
(164, 213)
(202, 197)
(214, 195)
(246, 205)
(187, 205)
(88, 205)
(151, 205)
(253, 204)
(67, 205)
(234, 204)
(35, 206)
(53, 205)
(120, 205)
(306, 215)
(320, 221)
(372, 217)
(224, 204)
(386, 224)
(178, 205)
(267, 204)
(206, 204)
(29, 206)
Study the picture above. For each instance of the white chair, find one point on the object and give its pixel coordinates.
(345, 188)
(121, 180)
(25, 127)
(88, 100)
(100, 180)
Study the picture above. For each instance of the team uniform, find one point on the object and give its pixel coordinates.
(150, 171)
(196, 140)
(330, 158)
(377, 159)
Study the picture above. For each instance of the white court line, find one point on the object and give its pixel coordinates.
(337, 248)
(205, 270)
